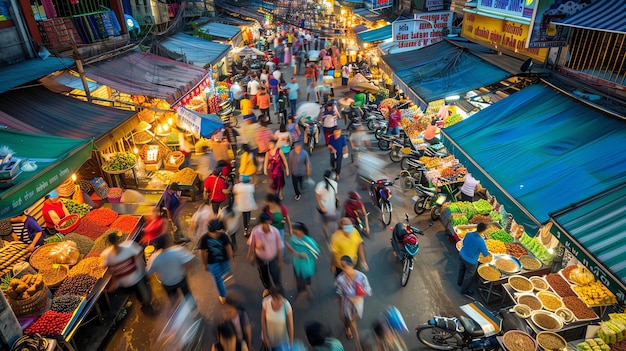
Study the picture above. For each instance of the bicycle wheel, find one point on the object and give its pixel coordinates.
(395, 155)
(419, 206)
(385, 211)
(383, 144)
(404, 163)
(438, 339)
(406, 270)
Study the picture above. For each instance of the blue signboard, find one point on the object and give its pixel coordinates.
(379, 4)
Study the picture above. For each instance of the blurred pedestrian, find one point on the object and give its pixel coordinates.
(293, 90)
(125, 262)
(247, 162)
(244, 201)
(300, 166)
(171, 263)
(305, 252)
(327, 201)
(283, 139)
(319, 337)
(329, 120)
(276, 167)
(293, 129)
(200, 220)
(352, 287)
(279, 214)
(277, 321)
(227, 339)
(338, 146)
(347, 241)
(174, 206)
(206, 162)
(234, 313)
(264, 249)
(355, 210)
(216, 252)
(262, 136)
(263, 101)
(216, 189)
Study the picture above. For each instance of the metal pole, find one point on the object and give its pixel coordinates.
(79, 67)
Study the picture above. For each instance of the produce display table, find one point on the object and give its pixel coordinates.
(572, 331)
(194, 188)
(490, 291)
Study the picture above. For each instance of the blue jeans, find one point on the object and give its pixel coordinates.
(393, 131)
(275, 102)
(292, 106)
(218, 269)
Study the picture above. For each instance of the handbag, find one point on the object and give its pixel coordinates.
(359, 290)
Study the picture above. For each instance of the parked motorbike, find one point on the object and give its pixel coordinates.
(410, 159)
(465, 333)
(226, 112)
(381, 130)
(405, 246)
(354, 123)
(381, 196)
(312, 132)
(432, 199)
(413, 176)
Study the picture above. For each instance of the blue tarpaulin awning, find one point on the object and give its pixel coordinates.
(200, 124)
(220, 30)
(593, 231)
(596, 17)
(64, 116)
(199, 52)
(23, 72)
(377, 34)
(539, 151)
(367, 14)
(440, 70)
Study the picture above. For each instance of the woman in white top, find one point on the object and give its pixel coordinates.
(326, 195)
(277, 320)
(283, 139)
(244, 201)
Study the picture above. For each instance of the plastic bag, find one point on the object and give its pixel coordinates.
(65, 253)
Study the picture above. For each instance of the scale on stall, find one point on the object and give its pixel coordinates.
(9, 170)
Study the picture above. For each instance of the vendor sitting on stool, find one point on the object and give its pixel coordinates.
(53, 211)
(27, 230)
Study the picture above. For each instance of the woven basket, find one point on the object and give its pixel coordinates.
(33, 306)
(66, 189)
(55, 276)
(178, 159)
(5, 227)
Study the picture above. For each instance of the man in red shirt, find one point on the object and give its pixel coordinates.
(395, 117)
(216, 189)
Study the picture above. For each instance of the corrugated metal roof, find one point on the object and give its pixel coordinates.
(604, 15)
(220, 30)
(199, 52)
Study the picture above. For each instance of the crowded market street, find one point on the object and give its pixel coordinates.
(430, 291)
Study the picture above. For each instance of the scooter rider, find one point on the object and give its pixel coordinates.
(354, 208)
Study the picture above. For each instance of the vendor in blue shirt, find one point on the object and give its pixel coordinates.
(26, 230)
(473, 246)
(338, 146)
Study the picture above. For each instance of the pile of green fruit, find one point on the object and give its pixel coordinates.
(76, 208)
(536, 248)
(120, 161)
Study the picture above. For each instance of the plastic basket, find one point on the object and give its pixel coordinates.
(32, 306)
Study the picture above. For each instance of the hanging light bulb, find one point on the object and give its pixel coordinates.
(74, 177)
(170, 122)
(135, 150)
(166, 127)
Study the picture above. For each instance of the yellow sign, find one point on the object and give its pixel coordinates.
(500, 34)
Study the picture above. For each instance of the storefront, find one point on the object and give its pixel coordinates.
(367, 38)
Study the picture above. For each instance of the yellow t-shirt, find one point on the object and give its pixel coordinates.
(246, 107)
(342, 245)
(248, 164)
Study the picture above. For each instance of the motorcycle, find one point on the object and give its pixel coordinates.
(226, 112)
(381, 130)
(413, 176)
(405, 246)
(355, 122)
(312, 133)
(381, 194)
(433, 199)
(467, 333)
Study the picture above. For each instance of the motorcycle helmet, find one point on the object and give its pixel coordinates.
(353, 195)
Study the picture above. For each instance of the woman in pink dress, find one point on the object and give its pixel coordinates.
(276, 167)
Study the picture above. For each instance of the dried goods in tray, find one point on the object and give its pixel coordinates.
(50, 323)
(80, 284)
(560, 285)
(578, 307)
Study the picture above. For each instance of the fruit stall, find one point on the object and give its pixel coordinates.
(58, 287)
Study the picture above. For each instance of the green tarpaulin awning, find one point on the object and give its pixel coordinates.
(439, 70)
(593, 231)
(539, 151)
(377, 34)
(56, 159)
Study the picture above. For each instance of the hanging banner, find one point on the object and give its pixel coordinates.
(543, 33)
(500, 34)
(518, 10)
(424, 29)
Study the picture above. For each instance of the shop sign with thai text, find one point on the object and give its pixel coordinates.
(379, 4)
(515, 9)
(434, 5)
(592, 264)
(544, 33)
(500, 35)
(424, 29)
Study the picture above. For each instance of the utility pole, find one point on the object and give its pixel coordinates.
(79, 67)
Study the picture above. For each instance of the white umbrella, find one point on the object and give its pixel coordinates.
(245, 51)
